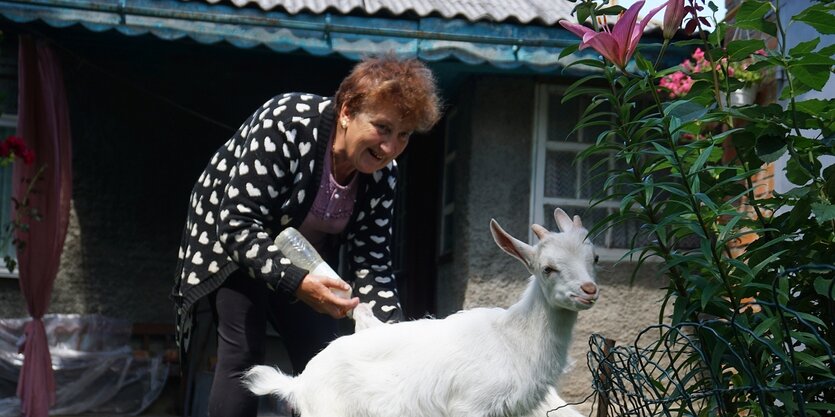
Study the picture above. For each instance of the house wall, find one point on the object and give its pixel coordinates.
(138, 147)
(494, 169)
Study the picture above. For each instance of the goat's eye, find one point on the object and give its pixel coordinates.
(596, 258)
(548, 270)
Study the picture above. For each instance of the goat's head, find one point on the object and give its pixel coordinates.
(563, 263)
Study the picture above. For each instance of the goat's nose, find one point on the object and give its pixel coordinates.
(589, 288)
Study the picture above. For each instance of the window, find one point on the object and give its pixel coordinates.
(8, 126)
(558, 181)
(447, 233)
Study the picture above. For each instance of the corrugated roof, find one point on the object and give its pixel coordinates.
(524, 11)
(431, 38)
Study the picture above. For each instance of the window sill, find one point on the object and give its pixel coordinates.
(4, 273)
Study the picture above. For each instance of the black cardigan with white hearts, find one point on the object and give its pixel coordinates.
(265, 179)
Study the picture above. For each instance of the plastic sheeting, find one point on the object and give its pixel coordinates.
(95, 368)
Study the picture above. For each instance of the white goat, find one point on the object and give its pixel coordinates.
(479, 362)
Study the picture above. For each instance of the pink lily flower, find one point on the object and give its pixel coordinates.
(673, 16)
(619, 44)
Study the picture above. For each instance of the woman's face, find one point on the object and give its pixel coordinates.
(373, 137)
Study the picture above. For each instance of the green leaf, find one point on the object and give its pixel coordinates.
(770, 148)
(812, 70)
(583, 12)
(829, 177)
(824, 287)
(751, 15)
(743, 48)
(818, 17)
(568, 50)
(823, 212)
(827, 50)
(796, 173)
(810, 360)
(643, 63)
(804, 47)
(685, 110)
(611, 10)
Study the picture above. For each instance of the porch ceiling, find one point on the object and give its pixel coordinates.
(505, 45)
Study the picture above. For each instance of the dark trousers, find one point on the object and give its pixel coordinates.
(243, 306)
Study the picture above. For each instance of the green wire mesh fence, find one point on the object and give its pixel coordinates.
(768, 360)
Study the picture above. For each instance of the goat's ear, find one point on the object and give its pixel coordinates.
(514, 247)
(539, 231)
(563, 221)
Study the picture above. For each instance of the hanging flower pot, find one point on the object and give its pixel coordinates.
(744, 96)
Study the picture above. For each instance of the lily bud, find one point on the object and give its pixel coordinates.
(673, 15)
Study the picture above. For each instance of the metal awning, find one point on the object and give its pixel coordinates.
(505, 45)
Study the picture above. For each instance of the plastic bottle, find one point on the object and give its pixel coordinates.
(301, 253)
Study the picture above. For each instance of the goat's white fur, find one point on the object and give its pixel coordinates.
(479, 362)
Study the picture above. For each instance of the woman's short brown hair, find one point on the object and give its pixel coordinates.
(408, 84)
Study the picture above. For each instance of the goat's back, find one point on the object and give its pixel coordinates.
(442, 365)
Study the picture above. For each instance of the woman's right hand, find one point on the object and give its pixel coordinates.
(315, 291)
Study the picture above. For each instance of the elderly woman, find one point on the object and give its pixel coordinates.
(324, 166)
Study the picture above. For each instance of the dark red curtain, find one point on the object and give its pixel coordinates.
(43, 123)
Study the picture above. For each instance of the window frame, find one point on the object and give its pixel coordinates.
(540, 148)
(8, 121)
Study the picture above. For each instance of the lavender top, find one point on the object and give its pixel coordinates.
(332, 207)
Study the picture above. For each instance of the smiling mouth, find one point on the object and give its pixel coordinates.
(375, 155)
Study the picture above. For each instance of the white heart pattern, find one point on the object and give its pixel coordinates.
(252, 252)
(204, 238)
(244, 169)
(366, 289)
(383, 280)
(192, 279)
(213, 267)
(386, 309)
(381, 222)
(301, 107)
(269, 146)
(252, 191)
(386, 294)
(260, 169)
(304, 148)
(378, 239)
(197, 259)
(232, 192)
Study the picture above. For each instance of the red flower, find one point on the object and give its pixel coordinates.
(28, 156)
(16, 144)
(4, 149)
